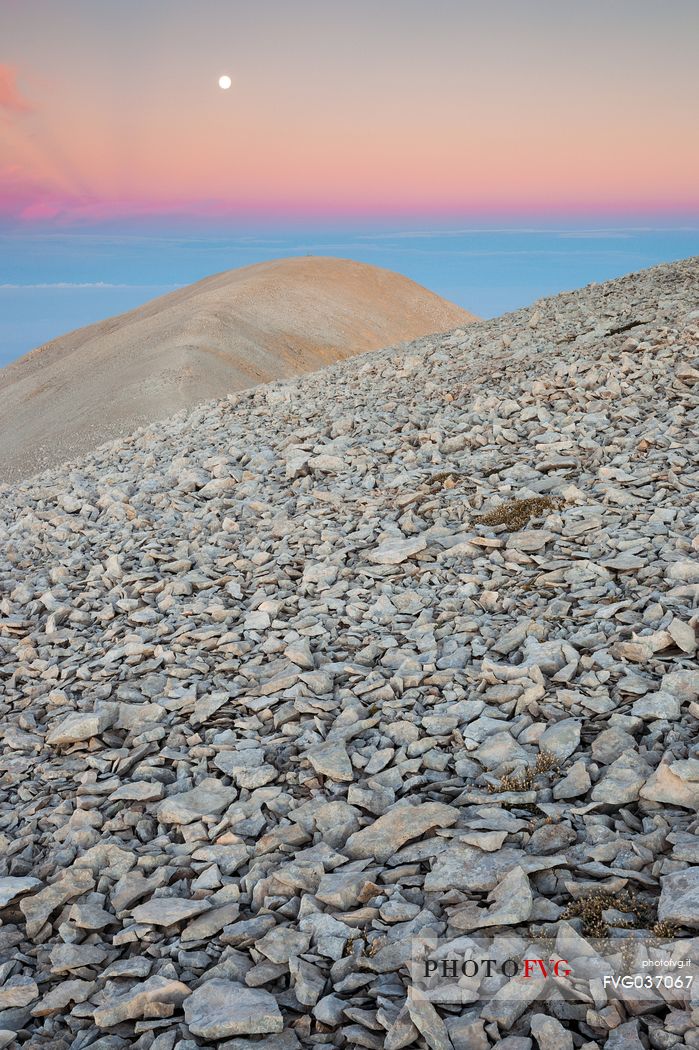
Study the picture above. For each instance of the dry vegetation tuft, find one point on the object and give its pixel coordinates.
(590, 910)
(516, 513)
(524, 781)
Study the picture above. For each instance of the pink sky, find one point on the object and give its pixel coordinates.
(446, 108)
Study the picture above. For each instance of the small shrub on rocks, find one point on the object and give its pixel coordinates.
(516, 513)
(545, 763)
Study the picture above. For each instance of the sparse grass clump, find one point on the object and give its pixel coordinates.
(448, 477)
(664, 930)
(590, 910)
(516, 513)
(368, 948)
(524, 781)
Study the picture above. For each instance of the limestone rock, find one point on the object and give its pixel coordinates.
(79, 726)
(679, 898)
(550, 1033)
(18, 991)
(12, 887)
(622, 781)
(208, 799)
(386, 835)
(140, 1001)
(510, 902)
(218, 1009)
(666, 785)
(166, 911)
(394, 552)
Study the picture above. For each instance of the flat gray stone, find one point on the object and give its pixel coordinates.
(385, 836)
(208, 799)
(219, 1008)
(509, 903)
(622, 781)
(166, 911)
(139, 1000)
(40, 906)
(653, 706)
(210, 923)
(394, 552)
(18, 991)
(679, 898)
(550, 1033)
(331, 760)
(464, 867)
(12, 887)
(79, 726)
(138, 791)
(428, 1022)
(65, 994)
(561, 739)
(666, 785)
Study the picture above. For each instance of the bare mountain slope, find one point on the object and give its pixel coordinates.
(227, 332)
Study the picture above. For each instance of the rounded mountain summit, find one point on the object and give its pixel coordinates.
(254, 325)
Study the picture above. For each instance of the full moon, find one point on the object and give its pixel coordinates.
(224, 82)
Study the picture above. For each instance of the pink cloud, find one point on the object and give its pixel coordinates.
(40, 210)
(11, 97)
(23, 196)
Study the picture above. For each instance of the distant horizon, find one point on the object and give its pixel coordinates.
(55, 281)
(493, 153)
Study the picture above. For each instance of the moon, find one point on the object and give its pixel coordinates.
(224, 82)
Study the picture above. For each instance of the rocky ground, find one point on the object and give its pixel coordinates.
(291, 679)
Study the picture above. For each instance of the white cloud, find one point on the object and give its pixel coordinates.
(82, 284)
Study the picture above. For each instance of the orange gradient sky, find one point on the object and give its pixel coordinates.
(111, 110)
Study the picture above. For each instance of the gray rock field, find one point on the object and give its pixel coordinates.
(406, 646)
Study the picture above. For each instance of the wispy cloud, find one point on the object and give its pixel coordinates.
(612, 233)
(81, 284)
(473, 253)
(11, 98)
